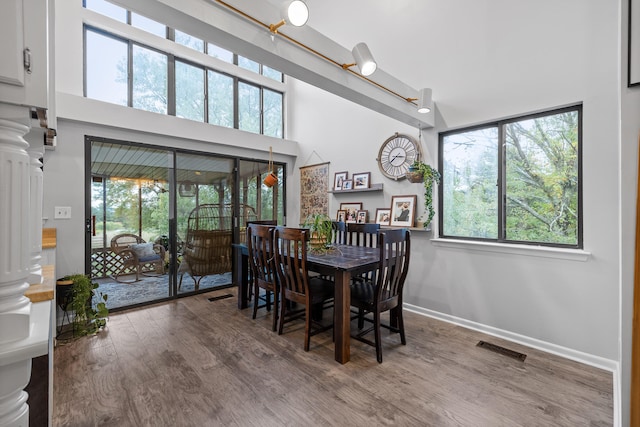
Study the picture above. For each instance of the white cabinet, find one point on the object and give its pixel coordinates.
(23, 46)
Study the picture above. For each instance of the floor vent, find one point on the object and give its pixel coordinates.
(502, 350)
(225, 296)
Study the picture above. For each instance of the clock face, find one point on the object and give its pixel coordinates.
(397, 154)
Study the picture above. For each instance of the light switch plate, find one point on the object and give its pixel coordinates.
(62, 212)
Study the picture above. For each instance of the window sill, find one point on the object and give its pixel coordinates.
(505, 248)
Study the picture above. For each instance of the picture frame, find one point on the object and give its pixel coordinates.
(351, 210)
(633, 48)
(361, 180)
(339, 177)
(362, 217)
(347, 184)
(403, 210)
(383, 216)
(341, 216)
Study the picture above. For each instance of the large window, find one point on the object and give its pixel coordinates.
(140, 73)
(515, 181)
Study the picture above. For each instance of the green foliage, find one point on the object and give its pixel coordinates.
(430, 176)
(87, 318)
(540, 181)
(320, 226)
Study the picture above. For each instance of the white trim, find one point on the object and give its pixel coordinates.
(578, 356)
(506, 248)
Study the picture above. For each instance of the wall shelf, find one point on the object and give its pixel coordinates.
(374, 187)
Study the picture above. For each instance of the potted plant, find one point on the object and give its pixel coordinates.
(87, 318)
(321, 228)
(422, 172)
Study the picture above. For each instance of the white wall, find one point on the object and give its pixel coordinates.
(485, 60)
(496, 60)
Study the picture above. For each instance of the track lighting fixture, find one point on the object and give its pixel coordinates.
(424, 100)
(364, 60)
(295, 12)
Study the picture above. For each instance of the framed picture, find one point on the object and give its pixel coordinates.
(338, 180)
(383, 216)
(361, 180)
(633, 49)
(403, 210)
(362, 217)
(347, 184)
(341, 216)
(351, 210)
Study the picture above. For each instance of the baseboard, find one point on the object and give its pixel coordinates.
(578, 356)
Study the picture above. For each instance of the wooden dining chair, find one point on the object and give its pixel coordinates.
(262, 265)
(296, 286)
(385, 294)
(362, 234)
(339, 232)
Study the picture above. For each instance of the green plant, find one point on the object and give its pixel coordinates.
(430, 176)
(87, 319)
(321, 228)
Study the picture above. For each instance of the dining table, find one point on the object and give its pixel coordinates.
(339, 261)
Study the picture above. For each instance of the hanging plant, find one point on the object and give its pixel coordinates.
(429, 176)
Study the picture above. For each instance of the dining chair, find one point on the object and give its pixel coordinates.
(263, 272)
(296, 286)
(385, 294)
(363, 235)
(339, 233)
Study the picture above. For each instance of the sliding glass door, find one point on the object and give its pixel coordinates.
(161, 222)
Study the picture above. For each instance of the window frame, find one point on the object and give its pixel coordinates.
(171, 75)
(502, 183)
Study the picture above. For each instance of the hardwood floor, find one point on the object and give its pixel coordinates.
(195, 362)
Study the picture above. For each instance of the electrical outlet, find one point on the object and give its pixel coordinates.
(62, 212)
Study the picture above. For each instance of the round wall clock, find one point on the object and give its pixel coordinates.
(396, 154)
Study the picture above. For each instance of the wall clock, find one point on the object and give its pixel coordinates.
(396, 154)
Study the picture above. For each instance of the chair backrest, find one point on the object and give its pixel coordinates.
(261, 255)
(291, 261)
(123, 241)
(339, 232)
(273, 222)
(362, 234)
(395, 250)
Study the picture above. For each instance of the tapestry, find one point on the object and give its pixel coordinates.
(314, 184)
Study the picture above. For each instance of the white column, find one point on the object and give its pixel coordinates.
(15, 257)
(36, 183)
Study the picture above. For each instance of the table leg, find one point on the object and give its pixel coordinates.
(241, 276)
(342, 318)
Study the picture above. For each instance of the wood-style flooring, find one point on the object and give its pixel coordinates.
(195, 362)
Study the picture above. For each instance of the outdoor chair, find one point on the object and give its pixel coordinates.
(134, 254)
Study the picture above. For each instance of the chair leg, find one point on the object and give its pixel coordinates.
(283, 306)
(307, 329)
(267, 299)
(360, 319)
(376, 329)
(275, 311)
(255, 300)
(403, 339)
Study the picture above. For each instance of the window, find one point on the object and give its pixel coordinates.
(220, 90)
(272, 117)
(189, 41)
(107, 9)
(106, 68)
(149, 25)
(528, 192)
(149, 80)
(189, 91)
(143, 74)
(248, 107)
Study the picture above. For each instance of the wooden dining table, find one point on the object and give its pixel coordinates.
(342, 262)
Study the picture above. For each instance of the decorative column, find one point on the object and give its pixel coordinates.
(15, 257)
(36, 190)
